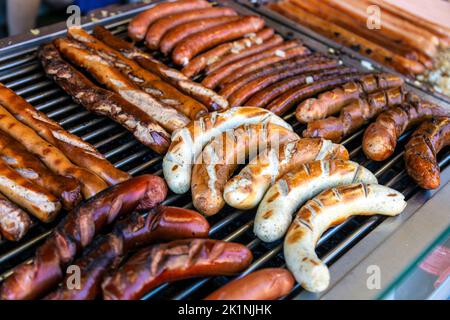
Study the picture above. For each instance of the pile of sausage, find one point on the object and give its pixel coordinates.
(148, 98)
(395, 37)
(44, 168)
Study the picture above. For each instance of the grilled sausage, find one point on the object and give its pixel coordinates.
(28, 195)
(78, 151)
(14, 222)
(332, 101)
(173, 261)
(188, 142)
(354, 115)
(161, 224)
(169, 118)
(264, 284)
(179, 80)
(288, 99)
(265, 96)
(421, 150)
(329, 208)
(53, 158)
(380, 138)
(245, 190)
(201, 41)
(237, 54)
(163, 25)
(240, 96)
(139, 24)
(309, 63)
(165, 93)
(76, 231)
(66, 189)
(177, 34)
(103, 102)
(349, 39)
(200, 62)
(221, 157)
(294, 188)
(232, 71)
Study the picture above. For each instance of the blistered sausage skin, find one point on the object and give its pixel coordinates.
(173, 261)
(294, 188)
(327, 209)
(139, 24)
(264, 284)
(14, 222)
(161, 224)
(188, 142)
(158, 29)
(223, 155)
(200, 62)
(201, 41)
(76, 231)
(380, 138)
(421, 150)
(246, 189)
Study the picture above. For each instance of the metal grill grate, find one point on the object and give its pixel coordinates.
(22, 72)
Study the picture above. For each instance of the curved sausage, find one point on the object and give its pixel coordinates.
(246, 189)
(354, 115)
(14, 222)
(332, 101)
(178, 33)
(246, 65)
(201, 41)
(294, 188)
(179, 80)
(200, 62)
(139, 24)
(380, 138)
(240, 96)
(264, 284)
(188, 142)
(166, 116)
(221, 157)
(287, 100)
(103, 102)
(163, 25)
(312, 61)
(173, 261)
(161, 224)
(239, 53)
(329, 208)
(52, 157)
(421, 150)
(148, 82)
(76, 231)
(265, 96)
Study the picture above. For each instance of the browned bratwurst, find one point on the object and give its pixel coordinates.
(14, 222)
(354, 115)
(200, 62)
(264, 284)
(179, 80)
(66, 189)
(201, 41)
(421, 150)
(103, 102)
(173, 261)
(160, 224)
(158, 29)
(138, 25)
(76, 231)
(380, 138)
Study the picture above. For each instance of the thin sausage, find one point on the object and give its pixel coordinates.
(14, 222)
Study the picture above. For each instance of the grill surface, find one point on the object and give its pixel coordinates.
(20, 71)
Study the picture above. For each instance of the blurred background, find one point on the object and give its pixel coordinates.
(19, 16)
